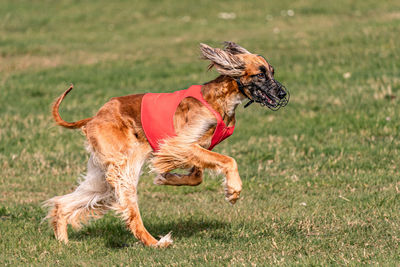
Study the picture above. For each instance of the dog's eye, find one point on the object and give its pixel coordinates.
(260, 75)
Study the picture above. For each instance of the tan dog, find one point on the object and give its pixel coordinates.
(119, 147)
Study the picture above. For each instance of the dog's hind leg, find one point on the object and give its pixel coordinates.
(193, 178)
(123, 175)
(91, 199)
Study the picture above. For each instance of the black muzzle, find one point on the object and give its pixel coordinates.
(272, 94)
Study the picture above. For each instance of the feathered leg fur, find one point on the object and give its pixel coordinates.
(169, 158)
(91, 199)
(124, 177)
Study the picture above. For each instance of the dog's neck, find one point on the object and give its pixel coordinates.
(224, 96)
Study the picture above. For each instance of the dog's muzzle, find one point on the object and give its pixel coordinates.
(273, 95)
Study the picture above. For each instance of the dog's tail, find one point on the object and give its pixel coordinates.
(59, 120)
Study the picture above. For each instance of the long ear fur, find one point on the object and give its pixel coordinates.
(223, 61)
(234, 49)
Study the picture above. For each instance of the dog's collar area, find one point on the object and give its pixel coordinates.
(241, 89)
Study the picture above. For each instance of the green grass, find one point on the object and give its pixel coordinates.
(321, 176)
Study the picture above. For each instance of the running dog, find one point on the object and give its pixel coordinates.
(170, 130)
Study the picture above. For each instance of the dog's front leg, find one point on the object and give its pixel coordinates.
(227, 165)
(195, 155)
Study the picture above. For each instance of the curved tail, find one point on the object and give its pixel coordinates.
(59, 120)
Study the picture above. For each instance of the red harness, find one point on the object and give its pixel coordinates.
(157, 115)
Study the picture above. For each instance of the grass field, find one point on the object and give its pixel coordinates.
(321, 176)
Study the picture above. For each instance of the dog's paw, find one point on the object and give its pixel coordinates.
(232, 198)
(165, 241)
(232, 194)
(160, 180)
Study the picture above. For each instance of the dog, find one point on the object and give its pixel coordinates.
(130, 130)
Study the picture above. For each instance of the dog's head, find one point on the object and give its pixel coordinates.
(252, 72)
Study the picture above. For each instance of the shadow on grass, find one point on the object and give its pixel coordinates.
(115, 234)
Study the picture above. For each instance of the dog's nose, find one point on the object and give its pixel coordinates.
(282, 94)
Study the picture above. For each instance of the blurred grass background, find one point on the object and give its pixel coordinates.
(321, 176)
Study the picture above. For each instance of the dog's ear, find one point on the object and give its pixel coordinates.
(225, 62)
(234, 49)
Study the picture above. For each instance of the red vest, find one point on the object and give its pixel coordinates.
(157, 116)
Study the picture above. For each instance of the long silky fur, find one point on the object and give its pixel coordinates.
(234, 48)
(176, 152)
(225, 62)
(90, 198)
